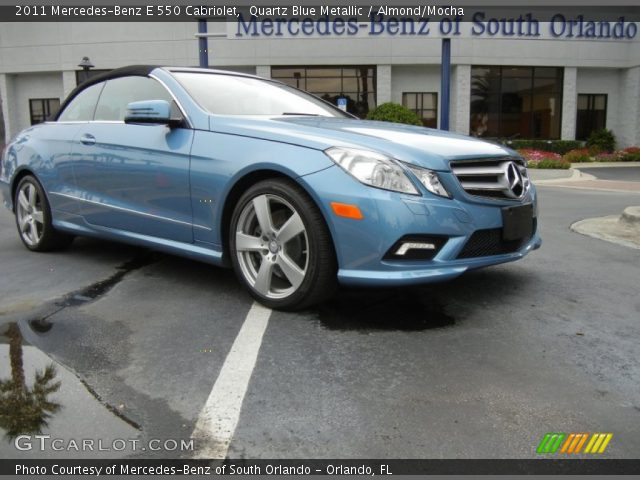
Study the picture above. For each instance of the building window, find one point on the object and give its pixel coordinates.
(516, 102)
(82, 75)
(356, 84)
(41, 109)
(592, 114)
(425, 105)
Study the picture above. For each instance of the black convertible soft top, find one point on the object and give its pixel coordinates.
(132, 70)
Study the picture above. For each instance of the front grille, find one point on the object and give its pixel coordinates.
(484, 243)
(492, 178)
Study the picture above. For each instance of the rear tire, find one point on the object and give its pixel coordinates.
(33, 218)
(280, 246)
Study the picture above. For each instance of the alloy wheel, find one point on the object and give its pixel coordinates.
(272, 246)
(30, 214)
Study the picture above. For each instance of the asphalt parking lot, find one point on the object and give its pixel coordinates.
(480, 367)
(622, 173)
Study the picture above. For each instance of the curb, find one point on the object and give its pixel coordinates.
(604, 164)
(631, 217)
(576, 176)
(619, 229)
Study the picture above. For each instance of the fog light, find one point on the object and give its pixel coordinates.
(416, 247)
(405, 247)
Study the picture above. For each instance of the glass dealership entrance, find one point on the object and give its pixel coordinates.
(516, 102)
(508, 102)
(357, 84)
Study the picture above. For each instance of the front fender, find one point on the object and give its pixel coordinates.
(219, 161)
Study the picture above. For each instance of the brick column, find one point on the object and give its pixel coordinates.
(460, 99)
(68, 82)
(629, 134)
(6, 87)
(569, 103)
(383, 93)
(263, 71)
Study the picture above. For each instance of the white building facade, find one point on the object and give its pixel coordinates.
(545, 86)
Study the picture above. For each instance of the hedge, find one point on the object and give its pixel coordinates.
(557, 146)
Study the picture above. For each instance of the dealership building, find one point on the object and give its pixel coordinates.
(524, 77)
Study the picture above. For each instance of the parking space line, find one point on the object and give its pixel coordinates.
(219, 416)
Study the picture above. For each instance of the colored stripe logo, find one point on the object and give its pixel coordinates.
(573, 443)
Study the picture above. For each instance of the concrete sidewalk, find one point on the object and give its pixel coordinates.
(604, 164)
(543, 175)
(575, 178)
(621, 229)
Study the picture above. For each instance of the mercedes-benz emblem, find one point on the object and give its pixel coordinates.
(515, 182)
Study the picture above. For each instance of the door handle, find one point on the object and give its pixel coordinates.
(88, 139)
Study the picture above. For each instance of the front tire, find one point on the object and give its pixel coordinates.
(280, 246)
(33, 218)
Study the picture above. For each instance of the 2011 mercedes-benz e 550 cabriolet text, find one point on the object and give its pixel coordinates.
(293, 193)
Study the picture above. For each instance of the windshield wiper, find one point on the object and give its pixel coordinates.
(300, 113)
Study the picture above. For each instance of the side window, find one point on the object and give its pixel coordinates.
(119, 92)
(83, 105)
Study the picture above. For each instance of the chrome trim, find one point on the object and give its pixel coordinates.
(506, 175)
(73, 122)
(92, 122)
(135, 212)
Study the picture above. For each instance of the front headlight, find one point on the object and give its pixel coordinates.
(372, 168)
(430, 180)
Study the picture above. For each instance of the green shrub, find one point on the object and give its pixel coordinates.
(601, 141)
(578, 155)
(551, 164)
(556, 146)
(561, 164)
(393, 112)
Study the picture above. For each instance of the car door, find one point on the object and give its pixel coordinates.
(58, 139)
(134, 178)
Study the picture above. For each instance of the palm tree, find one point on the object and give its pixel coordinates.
(24, 409)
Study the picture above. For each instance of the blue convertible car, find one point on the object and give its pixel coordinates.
(296, 195)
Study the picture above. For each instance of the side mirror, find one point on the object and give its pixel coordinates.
(154, 112)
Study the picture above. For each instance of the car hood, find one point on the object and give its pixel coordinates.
(421, 146)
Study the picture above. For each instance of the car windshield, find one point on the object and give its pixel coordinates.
(236, 95)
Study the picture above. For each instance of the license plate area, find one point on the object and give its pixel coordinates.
(517, 222)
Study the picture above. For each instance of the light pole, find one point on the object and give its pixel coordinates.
(86, 66)
(445, 84)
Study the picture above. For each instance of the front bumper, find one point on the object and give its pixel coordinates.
(361, 245)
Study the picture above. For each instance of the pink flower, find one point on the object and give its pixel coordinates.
(534, 156)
